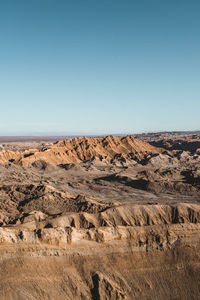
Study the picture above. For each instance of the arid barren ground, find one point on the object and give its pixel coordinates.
(101, 218)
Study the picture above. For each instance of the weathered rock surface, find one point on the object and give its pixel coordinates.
(100, 218)
(83, 149)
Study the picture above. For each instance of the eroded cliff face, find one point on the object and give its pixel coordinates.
(125, 252)
(116, 269)
(117, 227)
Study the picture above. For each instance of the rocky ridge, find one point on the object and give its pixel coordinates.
(99, 218)
(83, 149)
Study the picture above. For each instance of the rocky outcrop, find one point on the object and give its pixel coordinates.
(99, 218)
(83, 149)
(111, 262)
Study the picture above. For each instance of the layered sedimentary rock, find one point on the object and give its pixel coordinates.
(100, 218)
(139, 252)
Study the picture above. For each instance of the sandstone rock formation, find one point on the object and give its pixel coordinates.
(99, 218)
(83, 149)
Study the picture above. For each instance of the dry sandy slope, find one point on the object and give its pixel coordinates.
(103, 251)
(145, 263)
(99, 218)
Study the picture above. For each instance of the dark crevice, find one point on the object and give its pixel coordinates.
(95, 290)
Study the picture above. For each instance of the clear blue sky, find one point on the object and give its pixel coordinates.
(95, 67)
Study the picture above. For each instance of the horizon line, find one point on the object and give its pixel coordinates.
(54, 135)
